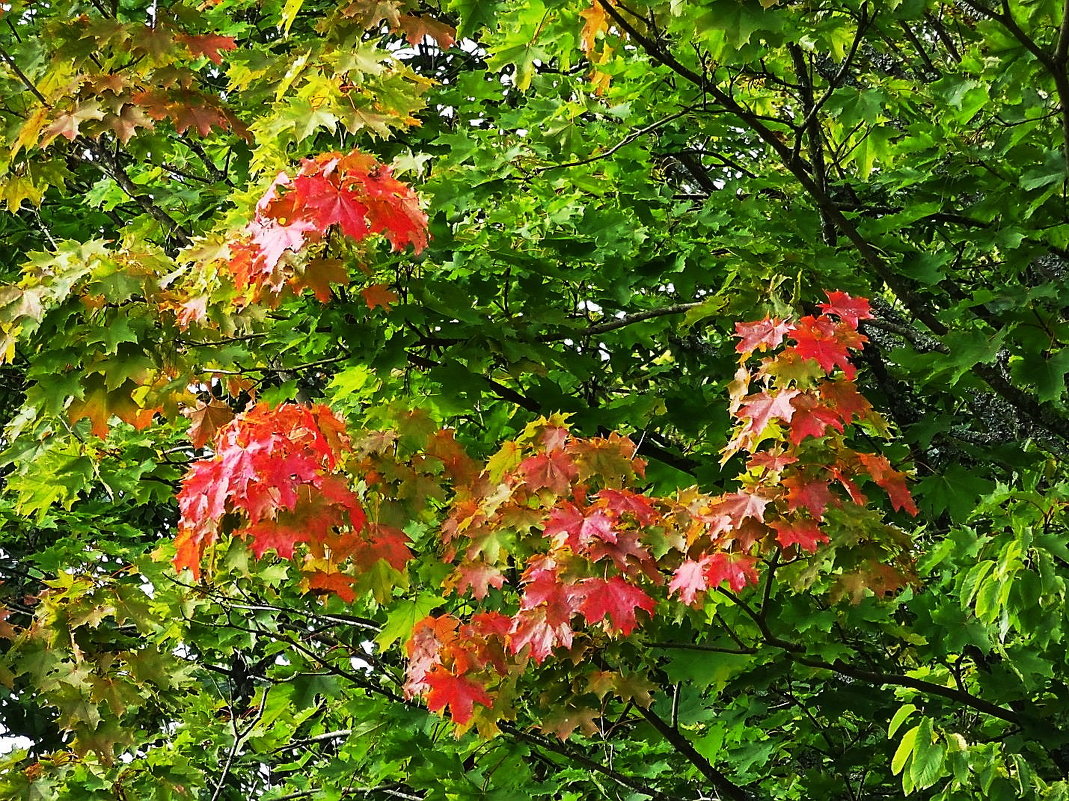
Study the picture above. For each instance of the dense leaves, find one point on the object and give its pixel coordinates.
(374, 425)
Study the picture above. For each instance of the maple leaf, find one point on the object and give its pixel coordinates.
(761, 335)
(553, 471)
(615, 598)
(377, 295)
(806, 534)
(478, 577)
(809, 493)
(842, 397)
(891, 481)
(626, 553)
(384, 543)
(563, 722)
(192, 114)
(100, 404)
(820, 340)
(208, 44)
(338, 583)
(848, 309)
(273, 239)
(417, 29)
(758, 410)
(325, 203)
(594, 22)
(773, 461)
(69, 123)
(127, 121)
(688, 580)
(206, 420)
(190, 545)
(812, 417)
(533, 629)
(318, 275)
(735, 507)
(458, 693)
(563, 525)
(622, 502)
(738, 570)
(611, 459)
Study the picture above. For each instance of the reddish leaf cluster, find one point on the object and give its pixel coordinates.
(560, 507)
(551, 540)
(276, 469)
(587, 571)
(352, 192)
(109, 100)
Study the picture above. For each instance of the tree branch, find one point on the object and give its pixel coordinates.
(723, 785)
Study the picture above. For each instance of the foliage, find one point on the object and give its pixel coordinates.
(379, 422)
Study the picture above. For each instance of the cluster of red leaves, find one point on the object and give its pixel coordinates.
(588, 565)
(595, 554)
(352, 192)
(277, 471)
(551, 539)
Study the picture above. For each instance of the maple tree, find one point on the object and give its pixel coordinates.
(439, 401)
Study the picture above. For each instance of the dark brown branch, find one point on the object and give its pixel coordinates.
(22, 76)
(631, 137)
(723, 785)
(112, 166)
(620, 322)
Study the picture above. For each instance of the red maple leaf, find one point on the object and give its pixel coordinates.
(822, 341)
(478, 577)
(688, 580)
(761, 335)
(737, 506)
(738, 570)
(534, 629)
(844, 399)
(208, 44)
(806, 534)
(772, 461)
(809, 493)
(193, 111)
(624, 501)
(812, 417)
(626, 553)
(416, 29)
(553, 471)
(892, 481)
(759, 409)
(206, 420)
(325, 203)
(849, 310)
(563, 524)
(458, 693)
(340, 584)
(273, 239)
(615, 598)
(378, 295)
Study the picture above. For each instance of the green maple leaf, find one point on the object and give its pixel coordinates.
(404, 616)
(306, 118)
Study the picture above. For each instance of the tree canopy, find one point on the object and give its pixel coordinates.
(516, 399)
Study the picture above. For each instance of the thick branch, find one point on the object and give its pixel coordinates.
(620, 322)
(113, 167)
(723, 785)
(22, 76)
